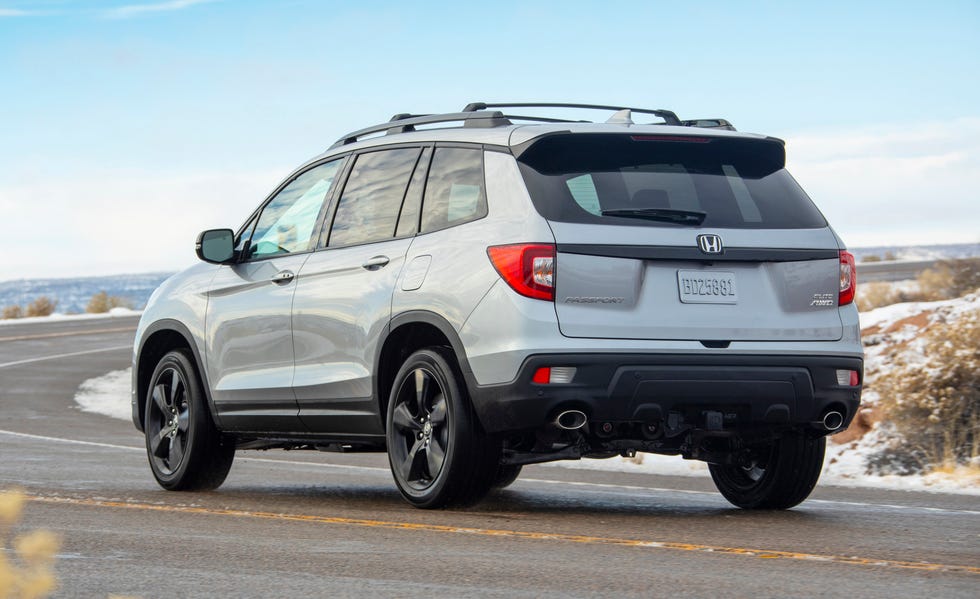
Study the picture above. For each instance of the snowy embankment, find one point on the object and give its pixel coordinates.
(58, 317)
(887, 331)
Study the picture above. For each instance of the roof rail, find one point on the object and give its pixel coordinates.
(404, 122)
(476, 114)
(668, 116)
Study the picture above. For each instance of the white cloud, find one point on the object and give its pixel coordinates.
(16, 12)
(894, 184)
(121, 222)
(133, 10)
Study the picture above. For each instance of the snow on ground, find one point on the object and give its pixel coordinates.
(57, 316)
(107, 394)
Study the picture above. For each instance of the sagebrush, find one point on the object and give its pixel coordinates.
(102, 302)
(935, 405)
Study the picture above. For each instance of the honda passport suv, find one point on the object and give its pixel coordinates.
(476, 291)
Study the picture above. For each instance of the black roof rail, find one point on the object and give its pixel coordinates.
(668, 116)
(402, 123)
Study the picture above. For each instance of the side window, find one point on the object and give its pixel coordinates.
(408, 220)
(244, 236)
(583, 192)
(369, 206)
(286, 224)
(456, 192)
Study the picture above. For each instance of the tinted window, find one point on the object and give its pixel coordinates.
(369, 206)
(286, 224)
(455, 192)
(737, 183)
(408, 220)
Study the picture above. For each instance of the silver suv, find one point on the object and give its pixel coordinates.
(476, 291)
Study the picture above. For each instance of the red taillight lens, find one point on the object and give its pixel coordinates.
(528, 268)
(848, 279)
(542, 376)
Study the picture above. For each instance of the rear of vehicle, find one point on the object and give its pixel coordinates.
(703, 308)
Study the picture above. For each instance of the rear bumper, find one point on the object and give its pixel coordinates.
(751, 392)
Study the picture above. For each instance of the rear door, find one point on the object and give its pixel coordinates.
(343, 297)
(683, 238)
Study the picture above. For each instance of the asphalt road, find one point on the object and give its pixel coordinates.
(300, 524)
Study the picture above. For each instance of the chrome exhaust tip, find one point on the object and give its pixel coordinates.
(833, 420)
(571, 420)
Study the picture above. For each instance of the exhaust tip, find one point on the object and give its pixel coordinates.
(833, 420)
(571, 420)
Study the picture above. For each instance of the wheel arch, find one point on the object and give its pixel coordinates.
(407, 333)
(160, 338)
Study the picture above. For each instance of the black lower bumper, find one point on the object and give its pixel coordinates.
(749, 392)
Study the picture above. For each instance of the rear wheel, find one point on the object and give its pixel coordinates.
(438, 453)
(185, 450)
(779, 476)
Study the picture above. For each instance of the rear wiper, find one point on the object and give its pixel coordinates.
(681, 217)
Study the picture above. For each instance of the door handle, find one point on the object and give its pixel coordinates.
(283, 277)
(376, 262)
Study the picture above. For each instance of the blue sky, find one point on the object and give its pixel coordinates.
(128, 126)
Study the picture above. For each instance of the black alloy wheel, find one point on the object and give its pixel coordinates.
(439, 456)
(185, 450)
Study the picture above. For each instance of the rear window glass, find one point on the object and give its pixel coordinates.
(736, 183)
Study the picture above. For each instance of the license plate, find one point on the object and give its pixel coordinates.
(707, 287)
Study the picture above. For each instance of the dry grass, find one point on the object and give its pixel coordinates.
(102, 302)
(935, 405)
(12, 312)
(42, 306)
(27, 568)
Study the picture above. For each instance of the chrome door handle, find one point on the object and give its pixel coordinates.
(283, 277)
(376, 262)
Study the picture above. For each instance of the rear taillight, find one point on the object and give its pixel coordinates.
(848, 279)
(528, 268)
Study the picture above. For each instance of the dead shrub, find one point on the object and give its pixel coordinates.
(935, 406)
(875, 295)
(42, 306)
(13, 312)
(102, 302)
(950, 279)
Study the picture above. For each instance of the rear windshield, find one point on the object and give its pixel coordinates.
(734, 183)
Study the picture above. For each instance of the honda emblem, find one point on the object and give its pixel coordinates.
(709, 244)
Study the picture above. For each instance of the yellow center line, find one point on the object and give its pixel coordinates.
(517, 534)
(68, 334)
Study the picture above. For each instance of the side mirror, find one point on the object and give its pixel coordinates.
(216, 246)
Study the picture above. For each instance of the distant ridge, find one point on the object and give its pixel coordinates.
(73, 294)
(909, 253)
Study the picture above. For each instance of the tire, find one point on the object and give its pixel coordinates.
(185, 450)
(781, 477)
(438, 453)
(506, 475)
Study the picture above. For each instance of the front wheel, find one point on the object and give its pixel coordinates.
(185, 450)
(779, 475)
(438, 453)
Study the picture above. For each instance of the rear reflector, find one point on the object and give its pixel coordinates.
(553, 375)
(847, 378)
(528, 268)
(848, 279)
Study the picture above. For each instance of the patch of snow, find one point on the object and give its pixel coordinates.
(108, 394)
(844, 466)
(57, 316)
(887, 316)
(643, 463)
